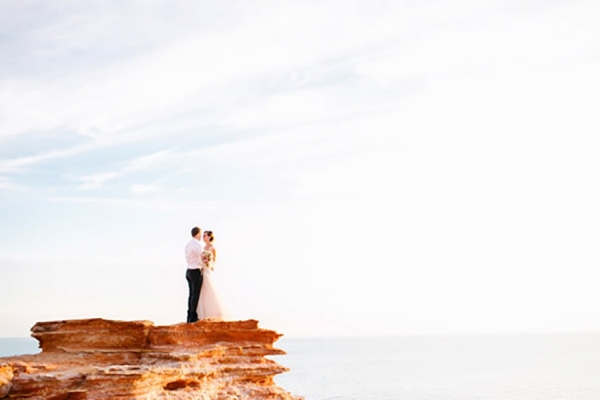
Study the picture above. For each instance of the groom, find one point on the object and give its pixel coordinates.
(193, 256)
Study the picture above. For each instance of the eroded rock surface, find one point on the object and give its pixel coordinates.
(105, 359)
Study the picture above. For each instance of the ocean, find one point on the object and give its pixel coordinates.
(498, 367)
(16, 346)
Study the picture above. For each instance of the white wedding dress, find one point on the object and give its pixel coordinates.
(210, 305)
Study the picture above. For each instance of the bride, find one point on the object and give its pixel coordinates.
(210, 305)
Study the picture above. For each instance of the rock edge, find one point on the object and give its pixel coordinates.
(107, 359)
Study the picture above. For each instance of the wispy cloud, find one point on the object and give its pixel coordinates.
(113, 201)
(11, 165)
(119, 94)
(149, 160)
(96, 181)
(141, 190)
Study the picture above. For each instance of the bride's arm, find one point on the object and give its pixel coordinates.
(214, 253)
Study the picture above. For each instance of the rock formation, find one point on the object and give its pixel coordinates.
(104, 359)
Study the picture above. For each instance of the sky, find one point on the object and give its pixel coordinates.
(367, 168)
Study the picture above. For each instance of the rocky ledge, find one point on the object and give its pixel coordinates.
(104, 359)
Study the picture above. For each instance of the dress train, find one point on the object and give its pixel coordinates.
(210, 305)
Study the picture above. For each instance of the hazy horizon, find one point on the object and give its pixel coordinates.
(394, 335)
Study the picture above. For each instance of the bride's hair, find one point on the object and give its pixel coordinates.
(210, 235)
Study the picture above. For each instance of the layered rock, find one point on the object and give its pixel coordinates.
(104, 359)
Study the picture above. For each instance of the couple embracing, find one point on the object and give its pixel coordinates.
(203, 300)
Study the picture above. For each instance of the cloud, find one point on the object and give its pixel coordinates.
(11, 165)
(141, 190)
(123, 202)
(149, 160)
(119, 93)
(96, 181)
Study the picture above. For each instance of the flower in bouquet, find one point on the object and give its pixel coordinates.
(207, 259)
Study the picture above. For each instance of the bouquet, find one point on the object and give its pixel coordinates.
(207, 259)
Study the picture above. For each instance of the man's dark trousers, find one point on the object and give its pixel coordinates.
(194, 278)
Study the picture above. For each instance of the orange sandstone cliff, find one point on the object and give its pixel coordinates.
(104, 359)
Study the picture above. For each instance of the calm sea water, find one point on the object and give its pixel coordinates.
(16, 346)
(503, 367)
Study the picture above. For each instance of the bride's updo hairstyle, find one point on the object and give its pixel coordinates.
(210, 235)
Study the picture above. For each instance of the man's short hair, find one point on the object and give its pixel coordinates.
(195, 231)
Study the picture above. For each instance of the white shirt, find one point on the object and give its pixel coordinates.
(193, 254)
